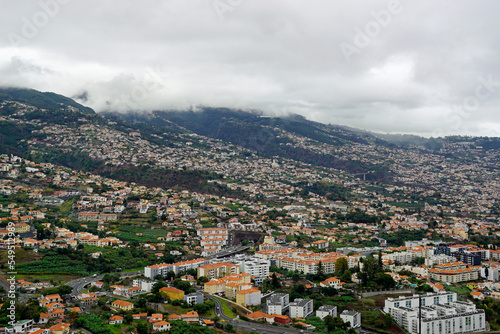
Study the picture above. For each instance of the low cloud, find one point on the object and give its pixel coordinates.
(415, 65)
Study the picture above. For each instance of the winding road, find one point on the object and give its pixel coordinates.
(79, 284)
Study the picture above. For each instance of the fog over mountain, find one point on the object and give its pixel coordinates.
(427, 68)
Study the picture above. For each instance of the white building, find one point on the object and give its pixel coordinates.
(441, 313)
(164, 268)
(325, 310)
(277, 304)
(145, 284)
(258, 268)
(439, 259)
(413, 301)
(301, 308)
(352, 317)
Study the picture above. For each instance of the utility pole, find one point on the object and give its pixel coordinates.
(419, 314)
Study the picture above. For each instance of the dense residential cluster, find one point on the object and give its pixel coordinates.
(284, 243)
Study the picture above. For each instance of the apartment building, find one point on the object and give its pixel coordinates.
(301, 308)
(218, 270)
(277, 304)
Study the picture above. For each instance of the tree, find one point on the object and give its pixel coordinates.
(346, 276)
(386, 281)
(142, 327)
(341, 265)
(128, 318)
(275, 283)
(203, 279)
(320, 275)
(380, 263)
(157, 286)
(65, 289)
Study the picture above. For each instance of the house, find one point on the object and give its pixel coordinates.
(156, 317)
(330, 282)
(259, 315)
(174, 317)
(56, 313)
(172, 293)
(122, 305)
(352, 317)
(116, 319)
(436, 287)
(22, 326)
(301, 308)
(161, 326)
(98, 284)
(477, 295)
(60, 329)
(282, 319)
(40, 331)
(191, 316)
(194, 298)
(248, 297)
(140, 316)
(208, 323)
(325, 310)
(44, 318)
(76, 310)
(55, 298)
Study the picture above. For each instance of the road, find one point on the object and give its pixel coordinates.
(260, 328)
(250, 326)
(229, 251)
(79, 284)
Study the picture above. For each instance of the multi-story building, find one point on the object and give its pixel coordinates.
(172, 293)
(218, 270)
(448, 318)
(470, 258)
(352, 317)
(145, 284)
(194, 298)
(277, 304)
(232, 288)
(413, 301)
(214, 286)
(325, 310)
(164, 268)
(255, 268)
(454, 275)
(251, 296)
(301, 308)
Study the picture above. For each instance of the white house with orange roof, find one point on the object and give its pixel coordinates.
(333, 282)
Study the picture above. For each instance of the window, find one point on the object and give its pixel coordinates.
(423, 302)
(450, 298)
(396, 304)
(436, 300)
(408, 303)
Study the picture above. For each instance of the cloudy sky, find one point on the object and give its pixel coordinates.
(425, 67)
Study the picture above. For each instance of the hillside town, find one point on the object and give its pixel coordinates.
(289, 246)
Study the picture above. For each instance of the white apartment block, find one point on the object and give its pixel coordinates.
(413, 301)
(352, 317)
(146, 285)
(301, 308)
(325, 310)
(255, 268)
(164, 268)
(441, 313)
(439, 259)
(451, 318)
(277, 304)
